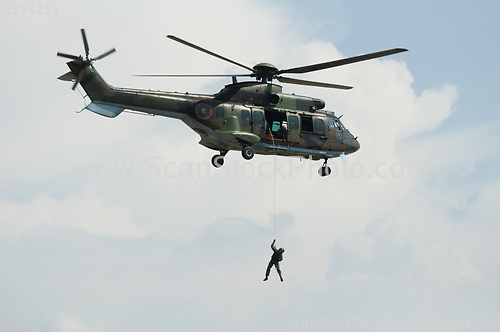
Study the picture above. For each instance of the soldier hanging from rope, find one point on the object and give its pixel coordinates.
(275, 259)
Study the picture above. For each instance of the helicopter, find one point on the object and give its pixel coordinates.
(254, 117)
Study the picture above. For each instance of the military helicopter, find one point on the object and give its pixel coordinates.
(251, 117)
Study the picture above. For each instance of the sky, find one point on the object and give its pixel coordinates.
(118, 225)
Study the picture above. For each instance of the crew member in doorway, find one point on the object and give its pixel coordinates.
(275, 259)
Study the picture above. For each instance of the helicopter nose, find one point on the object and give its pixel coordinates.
(352, 146)
(356, 145)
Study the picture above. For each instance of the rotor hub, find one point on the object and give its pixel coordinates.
(265, 72)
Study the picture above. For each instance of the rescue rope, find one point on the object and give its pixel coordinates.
(274, 191)
(274, 221)
(277, 308)
(274, 182)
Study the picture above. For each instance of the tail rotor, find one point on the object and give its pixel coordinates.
(85, 62)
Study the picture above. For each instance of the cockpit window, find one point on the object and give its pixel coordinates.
(335, 124)
(340, 124)
(332, 125)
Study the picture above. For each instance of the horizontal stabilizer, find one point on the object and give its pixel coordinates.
(69, 76)
(106, 110)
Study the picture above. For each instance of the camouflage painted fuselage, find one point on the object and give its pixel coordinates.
(251, 114)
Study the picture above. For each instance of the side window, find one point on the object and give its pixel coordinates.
(319, 126)
(220, 112)
(245, 117)
(294, 122)
(258, 118)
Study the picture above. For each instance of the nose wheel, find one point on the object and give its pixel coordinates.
(218, 159)
(325, 170)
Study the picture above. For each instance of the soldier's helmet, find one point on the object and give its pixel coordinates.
(282, 249)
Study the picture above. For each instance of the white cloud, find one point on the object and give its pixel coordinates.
(66, 322)
(387, 248)
(485, 208)
(390, 272)
(87, 213)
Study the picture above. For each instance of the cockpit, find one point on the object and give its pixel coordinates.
(343, 135)
(336, 124)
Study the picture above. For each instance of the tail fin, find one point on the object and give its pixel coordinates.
(97, 89)
(90, 80)
(84, 73)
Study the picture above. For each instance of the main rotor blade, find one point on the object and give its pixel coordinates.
(69, 56)
(85, 43)
(341, 62)
(208, 52)
(155, 75)
(311, 83)
(104, 54)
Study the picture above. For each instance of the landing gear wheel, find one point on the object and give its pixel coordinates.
(247, 152)
(218, 160)
(325, 171)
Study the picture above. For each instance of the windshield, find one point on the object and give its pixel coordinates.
(340, 124)
(335, 124)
